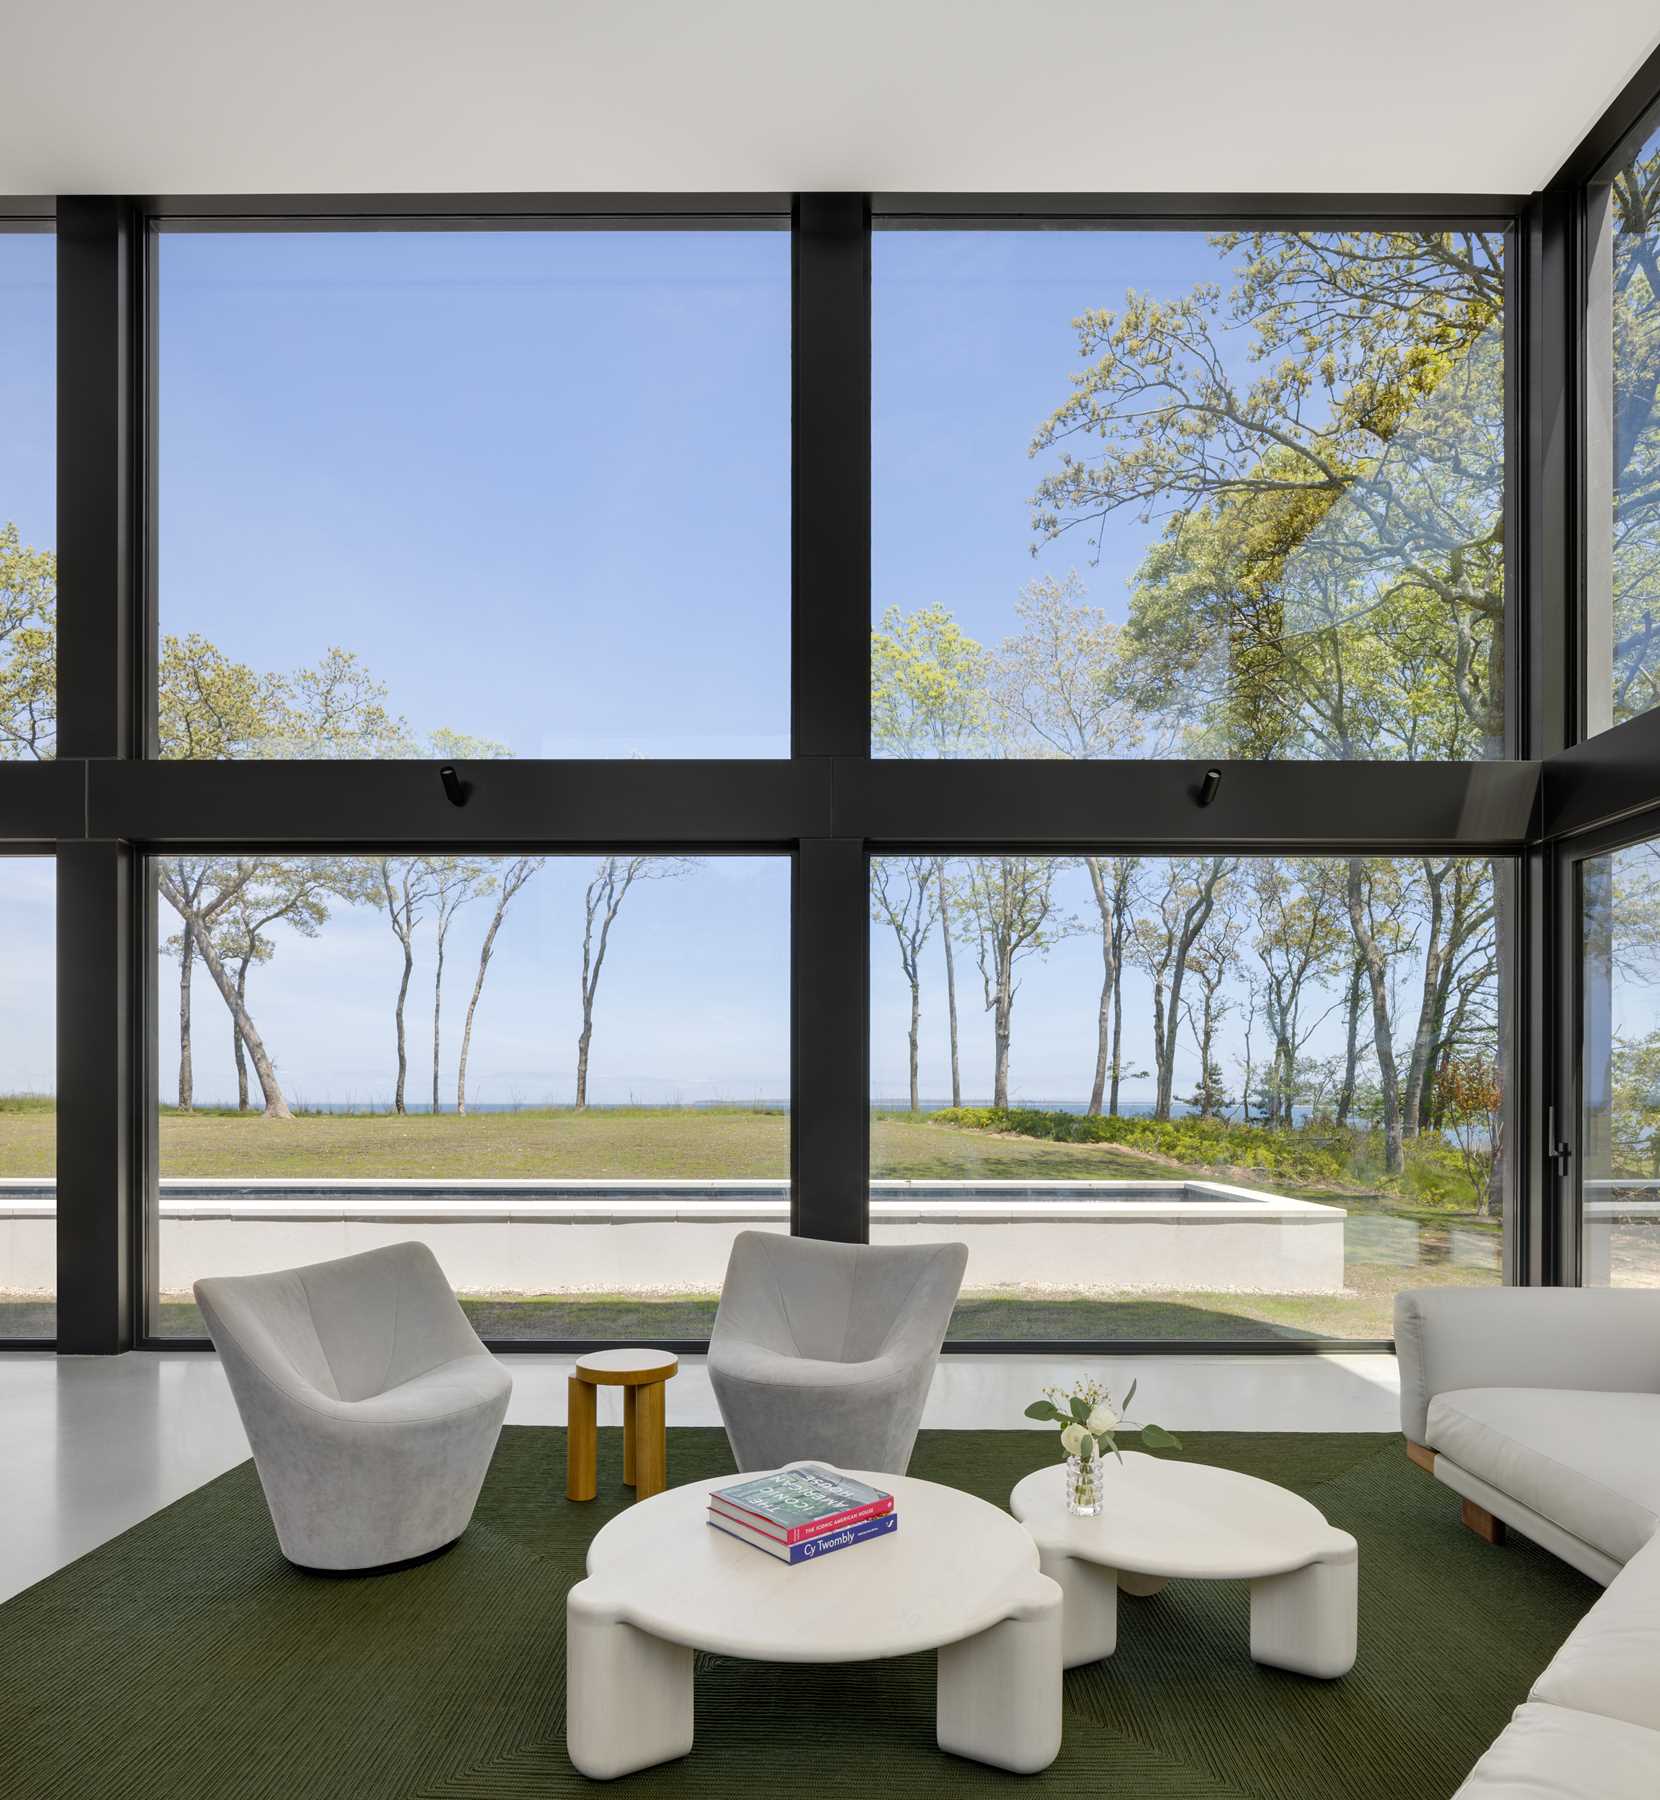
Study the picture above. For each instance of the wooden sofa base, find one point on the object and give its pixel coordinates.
(1478, 1519)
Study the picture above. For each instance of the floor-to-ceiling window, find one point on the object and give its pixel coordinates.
(1622, 540)
(1619, 1067)
(568, 1075)
(28, 733)
(1214, 1097)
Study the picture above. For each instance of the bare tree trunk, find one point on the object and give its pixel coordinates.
(950, 988)
(1117, 1043)
(237, 1050)
(916, 1028)
(403, 1048)
(1194, 918)
(187, 1074)
(1351, 1049)
(584, 1038)
(1377, 975)
(1001, 1033)
(1423, 1037)
(1109, 985)
(437, 1009)
(484, 954)
(276, 1107)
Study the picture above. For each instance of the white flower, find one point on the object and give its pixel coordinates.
(1073, 1439)
(1103, 1421)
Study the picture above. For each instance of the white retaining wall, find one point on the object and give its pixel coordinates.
(612, 1236)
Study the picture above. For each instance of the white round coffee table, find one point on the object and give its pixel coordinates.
(1164, 1521)
(958, 1575)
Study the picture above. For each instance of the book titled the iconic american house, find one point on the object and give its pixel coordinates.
(796, 1513)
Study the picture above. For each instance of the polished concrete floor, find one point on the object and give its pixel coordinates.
(91, 1445)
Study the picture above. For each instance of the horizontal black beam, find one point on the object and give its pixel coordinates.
(507, 804)
(1155, 805)
(1603, 780)
(405, 212)
(41, 801)
(738, 805)
(762, 805)
(956, 212)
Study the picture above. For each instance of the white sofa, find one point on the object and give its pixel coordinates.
(1540, 1407)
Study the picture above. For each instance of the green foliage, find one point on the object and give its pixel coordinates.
(1309, 1155)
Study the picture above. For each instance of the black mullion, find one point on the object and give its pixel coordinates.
(830, 1042)
(830, 480)
(96, 972)
(100, 675)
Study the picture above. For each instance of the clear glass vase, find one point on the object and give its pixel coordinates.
(1083, 1484)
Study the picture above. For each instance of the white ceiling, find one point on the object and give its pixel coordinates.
(372, 96)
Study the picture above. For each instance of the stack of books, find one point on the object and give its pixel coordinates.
(801, 1514)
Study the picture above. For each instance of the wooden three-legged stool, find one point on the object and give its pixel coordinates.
(641, 1374)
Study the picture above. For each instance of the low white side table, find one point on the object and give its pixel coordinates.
(1164, 1521)
(958, 1575)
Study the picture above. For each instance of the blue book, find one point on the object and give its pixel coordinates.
(813, 1548)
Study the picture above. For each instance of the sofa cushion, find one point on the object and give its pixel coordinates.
(1550, 1753)
(1589, 1462)
(1611, 1661)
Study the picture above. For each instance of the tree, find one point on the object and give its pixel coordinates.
(905, 898)
(928, 697)
(1058, 689)
(512, 879)
(927, 687)
(1010, 902)
(1634, 570)
(276, 1107)
(406, 888)
(1373, 899)
(207, 886)
(1211, 962)
(613, 877)
(294, 891)
(28, 650)
(1330, 580)
(1471, 1099)
(945, 889)
(1113, 885)
(453, 885)
(1161, 944)
(1299, 906)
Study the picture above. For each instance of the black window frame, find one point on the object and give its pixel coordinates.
(105, 803)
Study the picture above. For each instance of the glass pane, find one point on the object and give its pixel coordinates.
(1620, 1068)
(1176, 493)
(568, 1075)
(28, 495)
(474, 493)
(1626, 283)
(28, 1103)
(1214, 1098)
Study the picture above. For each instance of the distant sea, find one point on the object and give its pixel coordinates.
(1127, 1108)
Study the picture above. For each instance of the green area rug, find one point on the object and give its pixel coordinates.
(186, 1660)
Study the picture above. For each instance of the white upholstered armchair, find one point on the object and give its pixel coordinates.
(826, 1351)
(372, 1407)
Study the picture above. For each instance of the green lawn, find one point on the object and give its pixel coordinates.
(1391, 1244)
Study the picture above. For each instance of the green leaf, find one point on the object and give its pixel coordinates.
(1155, 1437)
(1080, 1410)
(1130, 1395)
(1042, 1409)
